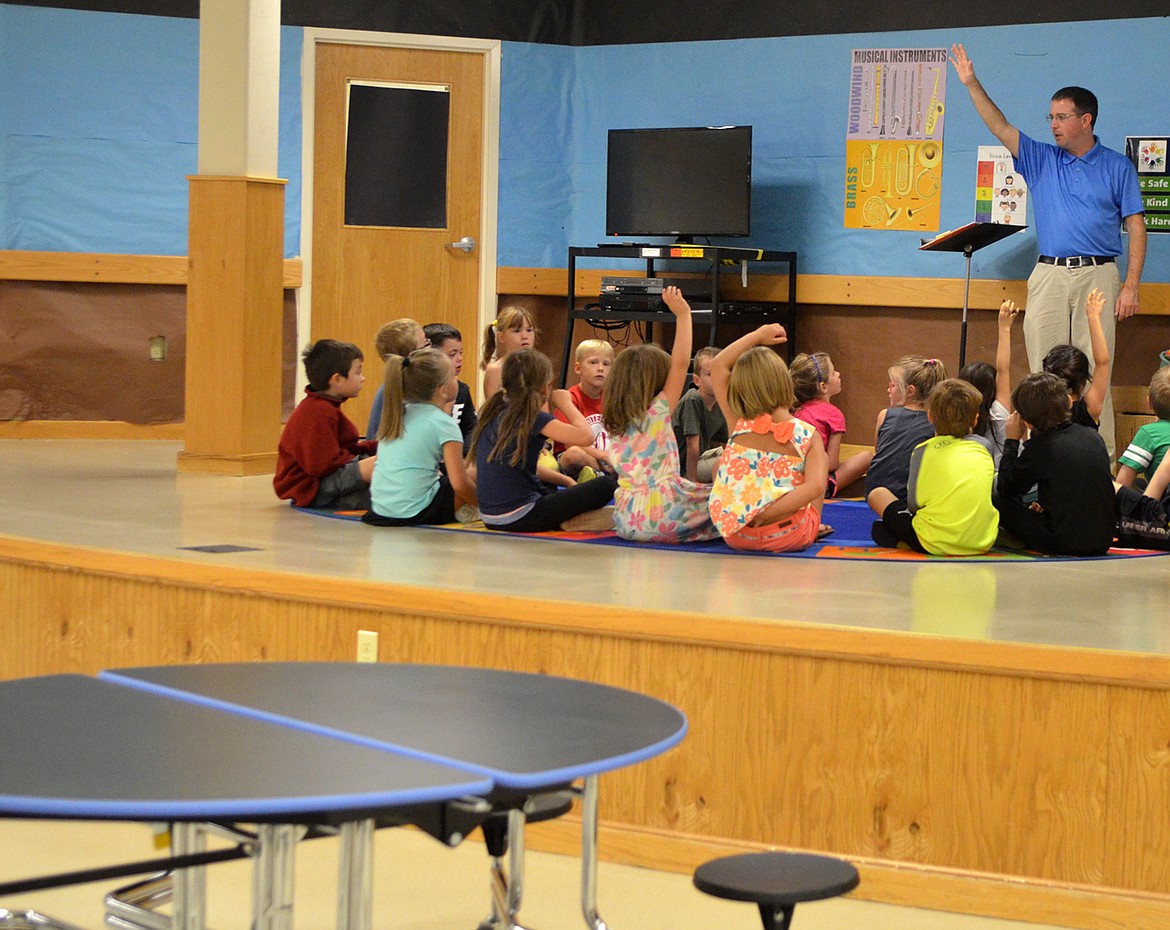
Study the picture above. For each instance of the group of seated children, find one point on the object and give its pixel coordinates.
(748, 454)
(973, 462)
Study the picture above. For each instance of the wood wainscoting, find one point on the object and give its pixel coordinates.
(1010, 780)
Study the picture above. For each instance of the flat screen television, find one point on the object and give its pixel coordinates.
(684, 182)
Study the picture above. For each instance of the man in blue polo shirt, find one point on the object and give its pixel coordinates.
(1082, 194)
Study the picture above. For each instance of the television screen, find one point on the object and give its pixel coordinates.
(679, 182)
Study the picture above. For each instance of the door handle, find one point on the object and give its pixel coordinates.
(467, 244)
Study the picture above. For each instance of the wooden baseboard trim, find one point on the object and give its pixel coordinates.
(933, 888)
(88, 429)
(241, 466)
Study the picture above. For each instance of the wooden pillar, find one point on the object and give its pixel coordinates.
(235, 246)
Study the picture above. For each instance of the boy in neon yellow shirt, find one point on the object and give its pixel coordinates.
(948, 510)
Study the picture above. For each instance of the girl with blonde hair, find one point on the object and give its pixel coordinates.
(512, 330)
(416, 436)
(770, 484)
(653, 503)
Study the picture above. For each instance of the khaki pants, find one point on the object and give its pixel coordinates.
(1055, 315)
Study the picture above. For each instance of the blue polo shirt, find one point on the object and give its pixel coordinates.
(1078, 203)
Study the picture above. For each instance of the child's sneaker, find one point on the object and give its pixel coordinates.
(468, 513)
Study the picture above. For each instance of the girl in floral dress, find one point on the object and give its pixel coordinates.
(770, 484)
(653, 502)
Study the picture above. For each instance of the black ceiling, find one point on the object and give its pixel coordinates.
(618, 22)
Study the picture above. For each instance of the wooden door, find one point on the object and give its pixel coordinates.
(366, 275)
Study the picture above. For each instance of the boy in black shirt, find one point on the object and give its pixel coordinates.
(1075, 510)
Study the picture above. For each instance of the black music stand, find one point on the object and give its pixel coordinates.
(968, 240)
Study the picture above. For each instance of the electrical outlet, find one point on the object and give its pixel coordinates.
(158, 348)
(367, 646)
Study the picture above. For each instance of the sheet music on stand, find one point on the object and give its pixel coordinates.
(968, 240)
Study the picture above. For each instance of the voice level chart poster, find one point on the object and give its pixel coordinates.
(893, 143)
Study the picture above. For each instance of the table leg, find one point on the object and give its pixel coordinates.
(272, 877)
(189, 895)
(355, 883)
(589, 854)
(507, 887)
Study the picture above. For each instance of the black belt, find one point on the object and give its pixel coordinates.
(1079, 261)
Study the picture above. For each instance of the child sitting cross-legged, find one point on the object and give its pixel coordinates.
(321, 461)
(948, 508)
(593, 360)
(699, 426)
(506, 445)
(770, 483)
(417, 435)
(1149, 446)
(1074, 512)
(1143, 520)
(653, 503)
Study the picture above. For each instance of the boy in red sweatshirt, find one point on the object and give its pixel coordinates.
(321, 462)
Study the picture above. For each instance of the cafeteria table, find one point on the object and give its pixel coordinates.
(76, 747)
(528, 733)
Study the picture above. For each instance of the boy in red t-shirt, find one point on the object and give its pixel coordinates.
(321, 461)
(594, 358)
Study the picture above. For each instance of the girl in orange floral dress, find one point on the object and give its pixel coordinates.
(770, 484)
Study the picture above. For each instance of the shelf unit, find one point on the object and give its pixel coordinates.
(718, 260)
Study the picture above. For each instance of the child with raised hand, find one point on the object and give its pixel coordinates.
(512, 429)
(1075, 508)
(398, 337)
(417, 434)
(947, 509)
(902, 428)
(770, 484)
(994, 385)
(653, 503)
(512, 330)
(815, 380)
(1086, 389)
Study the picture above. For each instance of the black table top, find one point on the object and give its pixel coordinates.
(524, 731)
(78, 747)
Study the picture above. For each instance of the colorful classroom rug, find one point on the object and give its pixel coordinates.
(851, 521)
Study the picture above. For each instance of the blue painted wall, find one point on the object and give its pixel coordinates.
(98, 131)
(98, 127)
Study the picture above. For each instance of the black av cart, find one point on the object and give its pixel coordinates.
(703, 291)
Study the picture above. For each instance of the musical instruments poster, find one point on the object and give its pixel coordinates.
(893, 144)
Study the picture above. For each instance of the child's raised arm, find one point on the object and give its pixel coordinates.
(770, 334)
(680, 353)
(1003, 353)
(1095, 395)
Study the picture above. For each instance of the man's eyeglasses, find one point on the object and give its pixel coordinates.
(1059, 117)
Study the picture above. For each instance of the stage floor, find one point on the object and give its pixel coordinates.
(127, 496)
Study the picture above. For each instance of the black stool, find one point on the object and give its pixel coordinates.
(776, 881)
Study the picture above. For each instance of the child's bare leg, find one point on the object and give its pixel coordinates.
(879, 499)
(853, 468)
